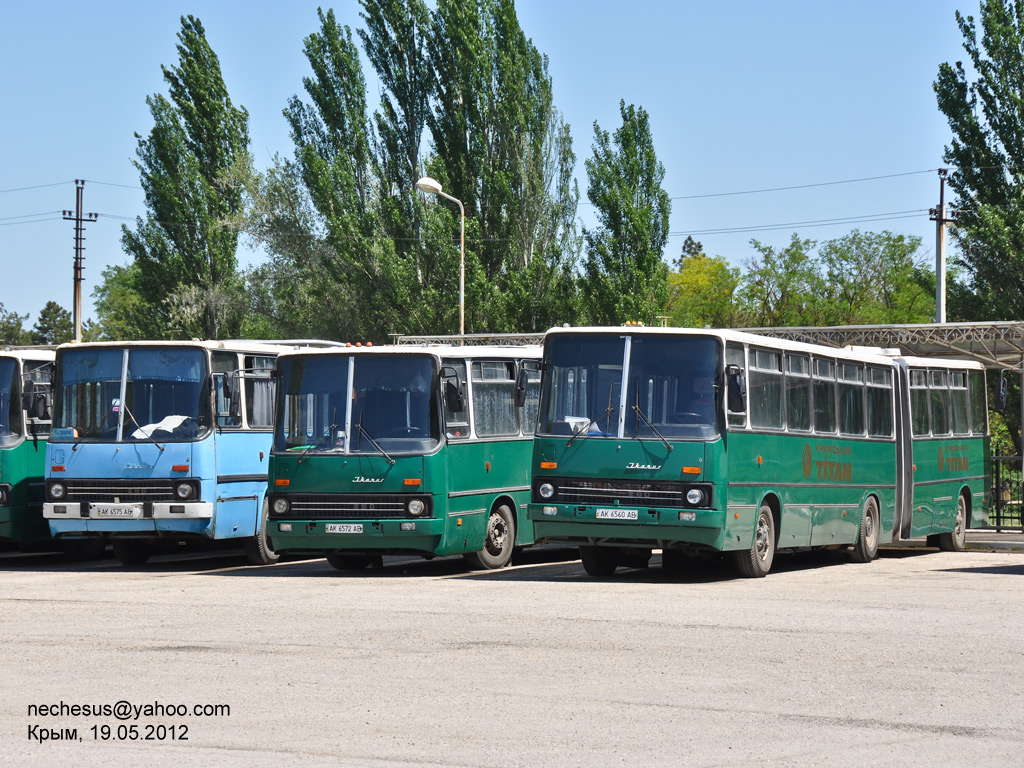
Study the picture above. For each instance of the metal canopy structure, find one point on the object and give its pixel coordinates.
(473, 339)
(998, 345)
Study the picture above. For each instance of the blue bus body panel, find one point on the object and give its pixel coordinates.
(241, 482)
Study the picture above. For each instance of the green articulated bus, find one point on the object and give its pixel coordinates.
(404, 450)
(693, 441)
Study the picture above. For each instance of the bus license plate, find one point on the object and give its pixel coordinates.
(117, 510)
(617, 514)
(344, 527)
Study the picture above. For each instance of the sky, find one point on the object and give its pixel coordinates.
(743, 96)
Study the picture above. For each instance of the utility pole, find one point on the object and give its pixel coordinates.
(80, 223)
(938, 215)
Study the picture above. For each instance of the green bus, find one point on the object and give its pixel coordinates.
(25, 381)
(697, 441)
(403, 450)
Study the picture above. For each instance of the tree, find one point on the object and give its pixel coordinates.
(986, 116)
(53, 326)
(11, 329)
(121, 312)
(701, 291)
(182, 249)
(779, 285)
(626, 278)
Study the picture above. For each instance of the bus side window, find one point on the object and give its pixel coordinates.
(979, 406)
(937, 388)
(824, 391)
(958, 402)
(851, 399)
(734, 356)
(259, 392)
(457, 422)
(226, 396)
(528, 413)
(798, 392)
(765, 389)
(494, 395)
(919, 401)
(880, 420)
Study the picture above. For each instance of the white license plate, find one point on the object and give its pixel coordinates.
(617, 514)
(117, 510)
(344, 527)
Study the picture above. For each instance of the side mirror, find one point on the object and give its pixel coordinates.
(523, 380)
(1000, 403)
(453, 396)
(28, 396)
(737, 389)
(41, 406)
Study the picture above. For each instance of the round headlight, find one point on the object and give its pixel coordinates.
(546, 490)
(57, 491)
(281, 506)
(3, 496)
(184, 490)
(694, 496)
(415, 507)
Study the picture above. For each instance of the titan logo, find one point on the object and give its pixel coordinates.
(362, 479)
(634, 465)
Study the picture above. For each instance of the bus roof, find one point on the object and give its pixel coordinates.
(270, 347)
(41, 354)
(434, 350)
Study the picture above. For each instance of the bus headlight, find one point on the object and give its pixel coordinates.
(694, 496)
(3, 495)
(184, 491)
(58, 490)
(281, 506)
(546, 490)
(415, 507)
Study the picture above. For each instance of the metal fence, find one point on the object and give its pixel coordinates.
(1007, 492)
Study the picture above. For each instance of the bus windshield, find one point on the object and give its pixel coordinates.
(670, 390)
(393, 406)
(10, 402)
(163, 394)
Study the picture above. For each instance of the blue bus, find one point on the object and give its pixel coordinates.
(157, 442)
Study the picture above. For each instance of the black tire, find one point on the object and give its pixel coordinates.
(257, 549)
(499, 541)
(955, 540)
(344, 562)
(754, 563)
(866, 548)
(599, 561)
(91, 548)
(132, 551)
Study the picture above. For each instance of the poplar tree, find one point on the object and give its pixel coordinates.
(626, 278)
(185, 256)
(986, 115)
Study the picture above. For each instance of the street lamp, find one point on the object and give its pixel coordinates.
(432, 187)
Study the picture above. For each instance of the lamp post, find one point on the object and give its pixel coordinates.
(432, 187)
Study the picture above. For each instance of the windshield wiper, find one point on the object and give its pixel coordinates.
(364, 431)
(145, 434)
(649, 423)
(330, 431)
(586, 430)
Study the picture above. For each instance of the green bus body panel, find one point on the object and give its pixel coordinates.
(463, 479)
(945, 467)
(22, 466)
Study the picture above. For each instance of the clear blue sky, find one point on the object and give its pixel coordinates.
(742, 96)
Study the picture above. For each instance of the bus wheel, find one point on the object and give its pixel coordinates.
(866, 548)
(345, 562)
(599, 561)
(757, 561)
(955, 540)
(499, 541)
(257, 548)
(131, 551)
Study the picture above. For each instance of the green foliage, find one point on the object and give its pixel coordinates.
(626, 279)
(860, 278)
(986, 116)
(12, 330)
(701, 291)
(53, 326)
(120, 309)
(185, 255)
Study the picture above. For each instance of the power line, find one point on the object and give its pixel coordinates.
(29, 215)
(894, 215)
(112, 184)
(31, 221)
(37, 186)
(805, 186)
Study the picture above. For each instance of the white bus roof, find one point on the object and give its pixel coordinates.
(269, 347)
(38, 354)
(435, 350)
